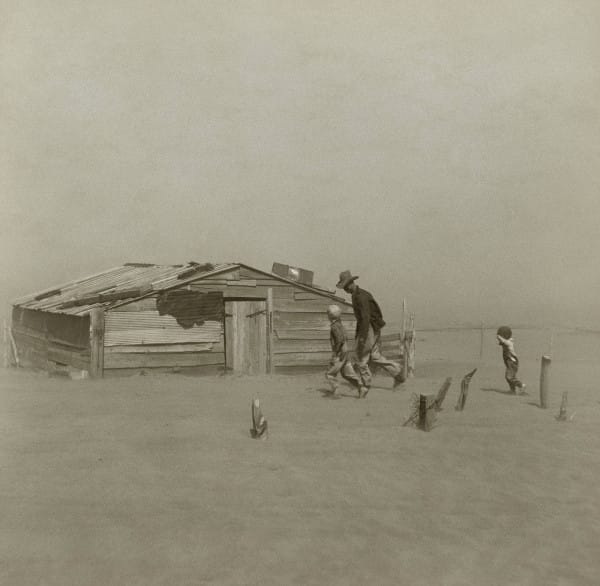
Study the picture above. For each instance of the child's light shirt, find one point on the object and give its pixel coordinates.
(508, 349)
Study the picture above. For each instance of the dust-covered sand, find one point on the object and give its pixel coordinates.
(155, 480)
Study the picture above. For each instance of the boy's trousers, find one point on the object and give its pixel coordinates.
(340, 364)
(511, 375)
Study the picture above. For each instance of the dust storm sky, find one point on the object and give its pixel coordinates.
(446, 152)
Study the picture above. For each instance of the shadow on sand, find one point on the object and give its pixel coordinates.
(534, 404)
(499, 391)
(327, 394)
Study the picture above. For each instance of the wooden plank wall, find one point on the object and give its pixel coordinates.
(144, 340)
(300, 324)
(137, 338)
(41, 349)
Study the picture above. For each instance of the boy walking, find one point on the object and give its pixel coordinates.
(339, 362)
(511, 361)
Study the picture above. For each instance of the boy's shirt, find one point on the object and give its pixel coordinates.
(508, 349)
(337, 337)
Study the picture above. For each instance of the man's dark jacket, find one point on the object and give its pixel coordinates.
(367, 312)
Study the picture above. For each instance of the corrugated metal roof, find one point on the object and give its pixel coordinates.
(120, 284)
(70, 298)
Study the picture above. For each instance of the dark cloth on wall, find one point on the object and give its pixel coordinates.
(191, 308)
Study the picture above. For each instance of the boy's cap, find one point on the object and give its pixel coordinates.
(334, 311)
(345, 279)
(505, 332)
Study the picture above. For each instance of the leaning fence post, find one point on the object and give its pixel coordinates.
(464, 389)
(545, 381)
(442, 393)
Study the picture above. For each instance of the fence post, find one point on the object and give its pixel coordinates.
(545, 381)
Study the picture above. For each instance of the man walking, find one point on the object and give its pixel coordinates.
(369, 322)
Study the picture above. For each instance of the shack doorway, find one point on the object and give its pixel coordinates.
(246, 336)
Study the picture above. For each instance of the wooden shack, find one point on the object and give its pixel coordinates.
(193, 318)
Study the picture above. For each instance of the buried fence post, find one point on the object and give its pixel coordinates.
(426, 413)
(464, 389)
(259, 423)
(422, 412)
(562, 414)
(442, 393)
(545, 381)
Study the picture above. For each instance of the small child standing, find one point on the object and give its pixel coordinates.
(511, 361)
(339, 362)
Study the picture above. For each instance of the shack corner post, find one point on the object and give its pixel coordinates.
(97, 342)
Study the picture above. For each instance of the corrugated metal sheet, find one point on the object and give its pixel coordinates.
(123, 278)
(145, 277)
(148, 327)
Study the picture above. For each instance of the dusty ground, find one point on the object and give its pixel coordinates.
(154, 480)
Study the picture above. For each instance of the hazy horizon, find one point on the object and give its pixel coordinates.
(447, 153)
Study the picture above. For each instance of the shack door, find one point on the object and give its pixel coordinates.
(246, 336)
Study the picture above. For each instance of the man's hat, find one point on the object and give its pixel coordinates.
(345, 279)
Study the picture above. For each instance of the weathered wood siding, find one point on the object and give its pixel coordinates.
(46, 340)
(300, 324)
(137, 338)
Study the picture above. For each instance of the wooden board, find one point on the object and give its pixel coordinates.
(245, 292)
(246, 336)
(157, 360)
(298, 334)
(299, 346)
(42, 337)
(206, 370)
(300, 295)
(310, 306)
(233, 291)
(78, 360)
(246, 273)
(165, 348)
(302, 359)
(147, 304)
(283, 293)
(309, 321)
(232, 275)
(271, 282)
(22, 339)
